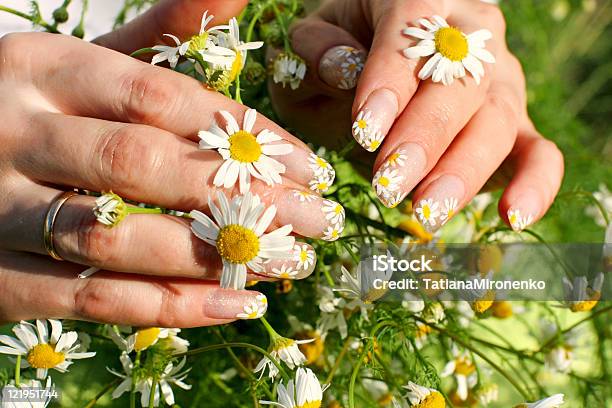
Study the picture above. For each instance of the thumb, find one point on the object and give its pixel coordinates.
(179, 17)
(334, 57)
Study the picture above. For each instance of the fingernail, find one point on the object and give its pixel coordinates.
(299, 266)
(398, 175)
(375, 119)
(335, 216)
(341, 66)
(440, 201)
(235, 304)
(323, 174)
(523, 211)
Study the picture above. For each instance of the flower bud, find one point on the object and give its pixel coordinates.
(60, 15)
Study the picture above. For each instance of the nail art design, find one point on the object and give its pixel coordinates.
(366, 132)
(284, 272)
(449, 209)
(428, 212)
(304, 196)
(341, 66)
(333, 232)
(304, 255)
(517, 221)
(323, 174)
(333, 211)
(388, 179)
(254, 309)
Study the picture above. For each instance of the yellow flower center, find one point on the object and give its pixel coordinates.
(338, 209)
(282, 343)
(197, 43)
(237, 244)
(244, 147)
(464, 367)
(586, 305)
(426, 212)
(146, 338)
(310, 404)
(374, 144)
(484, 303)
(385, 400)
(321, 163)
(322, 186)
(362, 124)
(502, 309)
(303, 256)
(513, 219)
(44, 356)
(383, 181)
(451, 43)
(393, 158)
(236, 67)
(433, 400)
(334, 233)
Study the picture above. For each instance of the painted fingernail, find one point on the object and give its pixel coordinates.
(299, 266)
(398, 175)
(335, 215)
(440, 201)
(341, 66)
(323, 174)
(375, 118)
(523, 211)
(235, 304)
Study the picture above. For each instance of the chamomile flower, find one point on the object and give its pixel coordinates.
(245, 155)
(361, 290)
(387, 182)
(449, 208)
(304, 196)
(559, 358)
(366, 132)
(110, 209)
(487, 394)
(41, 349)
(332, 313)
(580, 297)
(304, 255)
(428, 212)
(284, 272)
(320, 166)
(333, 232)
(452, 51)
(321, 183)
(171, 375)
(254, 309)
(304, 391)
(167, 53)
(285, 350)
(554, 401)
(238, 234)
(144, 338)
(420, 396)
(464, 371)
(517, 221)
(334, 212)
(604, 196)
(288, 69)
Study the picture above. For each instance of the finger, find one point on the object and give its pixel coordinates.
(181, 18)
(115, 298)
(147, 244)
(470, 161)
(334, 56)
(537, 178)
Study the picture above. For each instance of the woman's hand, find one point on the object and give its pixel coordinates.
(80, 115)
(450, 139)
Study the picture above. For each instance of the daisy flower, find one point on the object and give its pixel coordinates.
(171, 375)
(231, 41)
(304, 391)
(554, 401)
(321, 183)
(580, 297)
(320, 166)
(363, 126)
(288, 69)
(559, 359)
(517, 221)
(255, 309)
(396, 159)
(464, 372)
(420, 396)
(332, 313)
(428, 212)
(284, 272)
(41, 349)
(145, 338)
(304, 196)
(487, 394)
(334, 212)
(244, 154)
(453, 51)
(333, 232)
(387, 182)
(238, 233)
(282, 349)
(304, 255)
(110, 209)
(167, 53)
(449, 208)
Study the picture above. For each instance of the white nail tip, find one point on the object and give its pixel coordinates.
(517, 221)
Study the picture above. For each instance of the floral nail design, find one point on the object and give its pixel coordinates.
(284, 272)
(323, 174)
(304, 196)
(517, 221)
(387, 180)
(449, 209)
(367, 132)
(304, 255)
(428, 212)
(254, 309)
(351, 67)
(334, 213)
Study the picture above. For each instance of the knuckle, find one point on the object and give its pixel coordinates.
(145, 97)
(168, 314)
(94, 300)
(94, 244)
(124, 157)
(505, 111)
(494, 16)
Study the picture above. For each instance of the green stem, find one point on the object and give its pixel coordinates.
(102, 392)
(252, 23)
(18, 371)
(338, 360)
(592, 198)
(41, 23)
(133, 387)
(283, 28)
(141, 210)
(237, 97)
(152, 395)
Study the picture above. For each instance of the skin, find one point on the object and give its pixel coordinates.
(480, 135)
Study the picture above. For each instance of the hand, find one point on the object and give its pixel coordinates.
(80, 115)
(452, 139)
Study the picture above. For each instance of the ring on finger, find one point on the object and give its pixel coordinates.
(50, 218)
